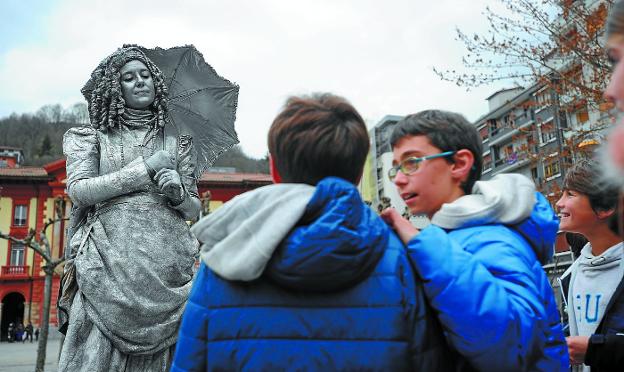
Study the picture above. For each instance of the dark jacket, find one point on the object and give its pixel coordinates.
(338, 294)
(605, 352)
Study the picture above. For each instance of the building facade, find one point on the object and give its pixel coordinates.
(28, 196)
(524, 133)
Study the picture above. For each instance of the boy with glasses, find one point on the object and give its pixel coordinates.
(481, 257)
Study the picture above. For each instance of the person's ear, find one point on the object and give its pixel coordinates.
(273, 170)
(463, 163)
(603, 215)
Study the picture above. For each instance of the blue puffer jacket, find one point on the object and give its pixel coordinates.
(338, 294)
(490, 292)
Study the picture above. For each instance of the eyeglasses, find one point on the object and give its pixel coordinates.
(410, 165)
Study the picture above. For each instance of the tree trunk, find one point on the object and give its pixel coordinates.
(45, 323)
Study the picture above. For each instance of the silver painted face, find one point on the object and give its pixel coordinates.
(137, 85)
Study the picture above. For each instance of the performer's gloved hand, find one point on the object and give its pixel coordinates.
(160, 160)
(170, 184)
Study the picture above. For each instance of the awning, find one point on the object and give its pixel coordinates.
(588, 142)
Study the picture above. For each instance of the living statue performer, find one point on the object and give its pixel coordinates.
(130, 179)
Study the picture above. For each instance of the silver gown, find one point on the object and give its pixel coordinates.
(134, 254)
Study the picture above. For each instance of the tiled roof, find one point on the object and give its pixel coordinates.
(23, 172)
(236, 178)
(231, 178)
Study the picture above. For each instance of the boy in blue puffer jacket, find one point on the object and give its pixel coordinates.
(480, 259)
(302, 275)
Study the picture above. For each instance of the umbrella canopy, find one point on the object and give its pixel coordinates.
(201, 103)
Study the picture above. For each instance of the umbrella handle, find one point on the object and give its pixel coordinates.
(163, 136)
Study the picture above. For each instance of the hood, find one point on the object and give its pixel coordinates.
(540, 229)
(591, 265)
(508, 199)
(337, 244)
(238, 239)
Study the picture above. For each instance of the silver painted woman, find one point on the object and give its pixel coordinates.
(131, 176)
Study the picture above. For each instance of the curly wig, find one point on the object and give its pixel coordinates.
(103, 90)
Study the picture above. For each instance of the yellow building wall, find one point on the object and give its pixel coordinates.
(32, 224)
(367, 183)
(6, 211)
(214, 204)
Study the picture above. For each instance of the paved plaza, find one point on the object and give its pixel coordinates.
(21, 357)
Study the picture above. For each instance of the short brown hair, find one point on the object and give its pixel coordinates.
(316, 137)
(585, 177)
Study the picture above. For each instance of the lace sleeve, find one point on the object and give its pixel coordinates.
(85, 185)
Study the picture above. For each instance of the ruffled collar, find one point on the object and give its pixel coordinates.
(138, 118)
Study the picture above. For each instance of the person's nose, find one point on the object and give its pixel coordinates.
(140, 81)
(400, 179)
(559, 204)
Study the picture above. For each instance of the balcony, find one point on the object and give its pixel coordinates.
(14, 272)
(511, 162)
(505, 133)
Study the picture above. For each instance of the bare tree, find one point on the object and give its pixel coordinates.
(559, 43)
(51, 113)
(43, 248)
(77, 113)
(557, 46)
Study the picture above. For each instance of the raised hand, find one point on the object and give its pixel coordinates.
(403, 227)
(170, 184)
(160, 160)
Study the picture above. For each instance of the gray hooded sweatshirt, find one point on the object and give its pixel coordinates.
(593, 282)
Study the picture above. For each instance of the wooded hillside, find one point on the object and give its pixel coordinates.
(40, 135)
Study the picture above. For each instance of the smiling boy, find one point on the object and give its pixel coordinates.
(594, 284)
(481, 257)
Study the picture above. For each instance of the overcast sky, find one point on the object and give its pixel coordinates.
(378, 54)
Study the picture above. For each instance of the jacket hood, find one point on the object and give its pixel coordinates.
(540, 229)
(591, 265)
(238, 239)
(337, 243)
(508, 199)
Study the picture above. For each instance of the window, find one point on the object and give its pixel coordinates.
(21, 212)
(582, 116)
(563, 119)
(508, 121)
(542, 99)
(17, 254)
(547, 131)
(484, 133)
(487, 162)
(504, 154)
(493, 126)
(551, 168)
(521, 113)
(532, 145)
